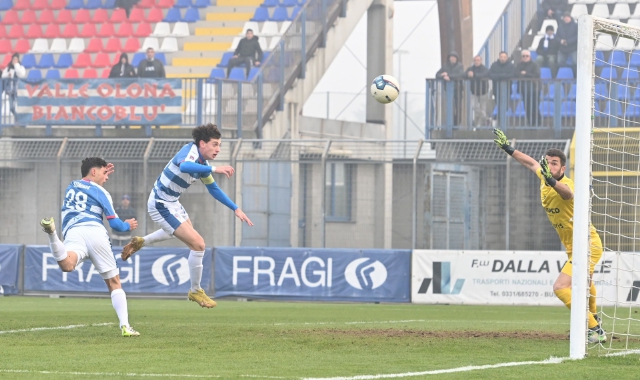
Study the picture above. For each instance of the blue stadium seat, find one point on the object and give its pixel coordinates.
(5, 5)
(297, 10)
(624, 92)
(601, 92)
(635, 58)
(238, 73)
(629, 75)
(53, 74)
(519, 111)
(202, 3)
(182, 4)
(137, 58)
(618, 58)
(636, 94)
(609, 73)
(600, 62)
(265, 56)
(93, 4)
(34, 75)
(109, 4)
(573, 92)
(217, 73)
(46, 61)
(253, 72)
(191, 15)
(162, 58)
(548, 94)
(568, 108)
(632, 109)
(173, 15)
(75, 4)
(65, 60)
(564, 73)
(269, 3)
(515, 95)
(28, 61)
(225, 59)
(261, 14)
(534, 55)
(302, 2)
(545, 73)
(547, 108)
(288, 3)
(607, 110)
(279, 14)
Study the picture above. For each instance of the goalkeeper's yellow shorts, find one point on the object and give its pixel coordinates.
(596, 255)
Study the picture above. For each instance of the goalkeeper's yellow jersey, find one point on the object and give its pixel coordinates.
(560, 212)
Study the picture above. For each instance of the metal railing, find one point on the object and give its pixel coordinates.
(243, 107)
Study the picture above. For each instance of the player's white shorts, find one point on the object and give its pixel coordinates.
(170, 215)
(92, 242)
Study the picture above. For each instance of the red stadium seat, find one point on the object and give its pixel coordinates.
(119, 15)
(125, 30)
(155, 15)
(144, 30)
(22, 46)
(83, 61)
(102, 60)
(53, 31)
(58, 4)
(16, 32)
(137, 15)
(100, 16)
(5, 47)
(131, 46)
(89, 74)
(82, 17)
(64, 17)
(46, 17)
(88, 31)
(3, 32)
(6, 60)
(105, 73)
(28, 17)
(106, 31)
(165, 3)
(95, 46)
(11, 17)
(39, 5)
(35, 31)
(113, 46)
(146, 4)
(70, 74)
(70, 31)
(21, 5)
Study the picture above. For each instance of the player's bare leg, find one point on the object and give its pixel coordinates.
(562, 289)
(67, 260)
(188, 235)
(119, 302)
(138, 242)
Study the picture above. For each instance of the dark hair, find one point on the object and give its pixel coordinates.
(549, 28)
(90, 163)
(553, 152)
(499, 54)
(205, 133)
(150, 48)
(249, 30)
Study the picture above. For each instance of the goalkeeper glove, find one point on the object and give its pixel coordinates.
(502, 141)
(546, 172)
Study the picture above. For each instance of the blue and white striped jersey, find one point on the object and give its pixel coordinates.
(172, 182)
(84, 203)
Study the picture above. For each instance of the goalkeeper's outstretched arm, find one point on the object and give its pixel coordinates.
(522, 158)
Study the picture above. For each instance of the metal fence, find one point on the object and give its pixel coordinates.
(453, 194)
(244, 106)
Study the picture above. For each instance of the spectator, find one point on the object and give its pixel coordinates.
(126, 5)
(568, 37)
(501, 72)
(125, 211)
(248, 53)
(10, 76)
(453, 70)
(551, 9)
(478, 74)
(151, 67)
(123, 69)
(548, 50)
(529, 71)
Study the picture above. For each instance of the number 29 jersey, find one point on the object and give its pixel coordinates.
(84, 203)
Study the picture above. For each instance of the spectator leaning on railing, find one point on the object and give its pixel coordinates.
(248, 53)
(548, 50)
(10, 76)
(123, 69)
(478, 75)
(568, 37)
(453, 70)
(501, 72)
(529, 71)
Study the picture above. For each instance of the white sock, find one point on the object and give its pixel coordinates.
(195, 269)
(156, 236)
(57, 248)
(119, 302)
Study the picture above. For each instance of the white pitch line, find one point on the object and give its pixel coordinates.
(349, 323)
(624, 353)
(407, 321)
(55, 328)
(551, 360)
(124, 374)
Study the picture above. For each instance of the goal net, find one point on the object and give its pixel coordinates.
(607, 131)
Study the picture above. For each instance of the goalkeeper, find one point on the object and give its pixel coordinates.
(556, 194)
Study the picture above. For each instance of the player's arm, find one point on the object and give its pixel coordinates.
(110, 213)
(196, 168)
(522, 158)
(562, 189)
(219, 195)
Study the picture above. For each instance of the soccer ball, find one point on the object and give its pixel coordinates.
(385, 89)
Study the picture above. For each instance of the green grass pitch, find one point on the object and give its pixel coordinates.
(289, 340)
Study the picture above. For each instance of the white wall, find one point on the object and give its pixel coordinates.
(346, 77)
